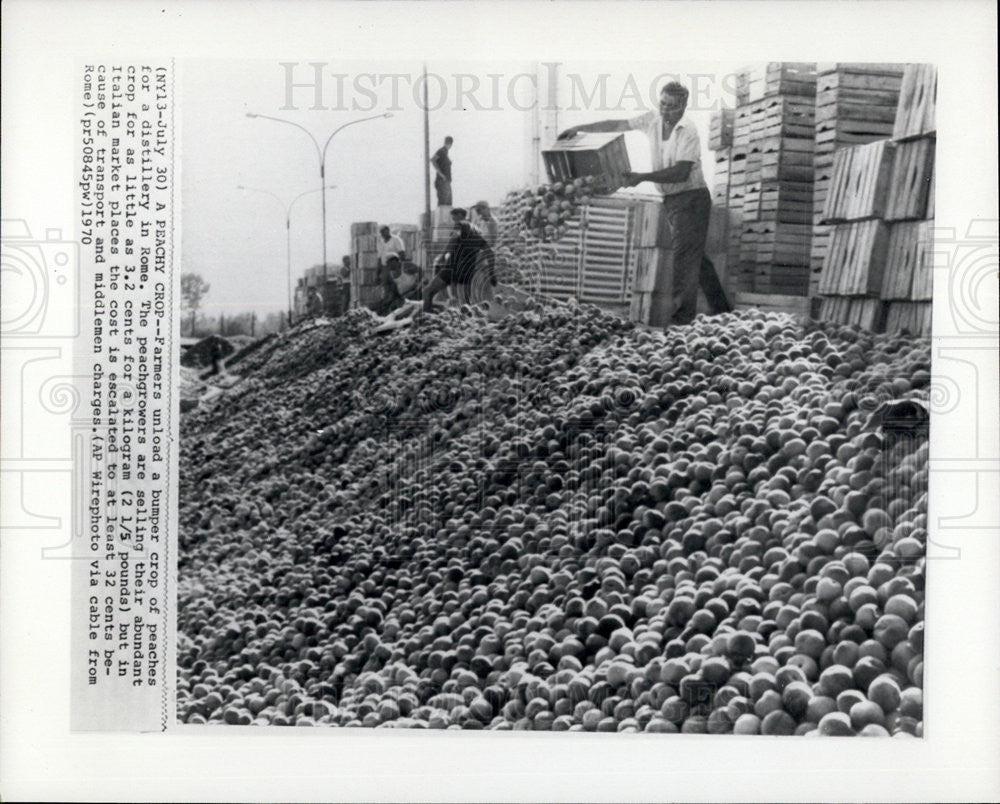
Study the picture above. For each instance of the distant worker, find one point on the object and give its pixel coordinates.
(457, 267)
(389, 243)
(442, 169)
(314, 305)
(345, 284)
(216, 354)
(486, 223)
(676, 158)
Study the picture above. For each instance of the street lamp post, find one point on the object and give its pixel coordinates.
(320, 153)
(288, 231)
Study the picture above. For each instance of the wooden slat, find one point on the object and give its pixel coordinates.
(855, 260)
(860, 183)
(917, 103)
(912, 169)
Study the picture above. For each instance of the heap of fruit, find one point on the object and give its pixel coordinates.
(547, 210)
(558, 522)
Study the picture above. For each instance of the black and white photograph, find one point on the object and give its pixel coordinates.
(537, 400)
(556, 396)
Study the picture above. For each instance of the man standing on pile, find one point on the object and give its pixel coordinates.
(676, 159)
(458, 265)
(442, 170)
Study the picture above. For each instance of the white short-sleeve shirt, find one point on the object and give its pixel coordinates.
(394, 245)
(683, 145)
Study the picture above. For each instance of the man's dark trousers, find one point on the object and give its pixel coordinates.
(688, 215)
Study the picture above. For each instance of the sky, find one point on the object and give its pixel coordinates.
(236, 238)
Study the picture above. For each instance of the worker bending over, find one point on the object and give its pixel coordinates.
(457, 266)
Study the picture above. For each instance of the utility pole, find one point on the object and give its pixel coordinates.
(536, 132)
(427, 179)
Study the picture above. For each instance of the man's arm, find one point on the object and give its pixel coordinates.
(671, 175)
(600, 127)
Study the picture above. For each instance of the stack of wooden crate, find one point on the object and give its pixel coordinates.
(776, 128)
(653, 262)
(366, 290)
(855, 104)
(877, 266)
(910, 206)
(409, 233)
(727, 184)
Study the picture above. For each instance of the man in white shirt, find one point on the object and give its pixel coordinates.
(389, 243)
(676, 158)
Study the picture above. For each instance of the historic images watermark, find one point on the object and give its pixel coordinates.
(318, 86)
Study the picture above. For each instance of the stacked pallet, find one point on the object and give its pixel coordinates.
(653, 261)
(409, 233)
(366, 290)
(855, 104)
(776, 127)
(907, 287)
(877, 267)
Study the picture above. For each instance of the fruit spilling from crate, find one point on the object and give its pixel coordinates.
(559, 521)
(546, 210)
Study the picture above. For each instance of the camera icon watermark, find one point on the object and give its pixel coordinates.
(972, 265)
(40, 283)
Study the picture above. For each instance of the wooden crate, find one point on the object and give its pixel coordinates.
(364, 228)
(367, 259)
(782, 116)
(786, 244)
(909, 262)
(741, 126)
(720, 129)
(855, 260)
(857, 69)
(742, 84)
(786, 159)
(650, 262)
(364, 242)
(909, 189)
(782, 280)
(781, 78)
(779, 201)
(917, 103)
(650, 225)
(908, 317)
(861, 312)
(860, 183)
(600, 155)
(930, 194)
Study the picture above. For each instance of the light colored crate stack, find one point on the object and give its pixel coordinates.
(777, 128)
(877, 269)
(854, 261)
(597, 258)
(727, 188)
(366, 291)
(855, 104)
(720, 129)
(650, 238)
(409, 233)
(908, 281)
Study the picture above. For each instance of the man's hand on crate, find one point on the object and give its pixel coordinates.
(631, 179)
(568, 134)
